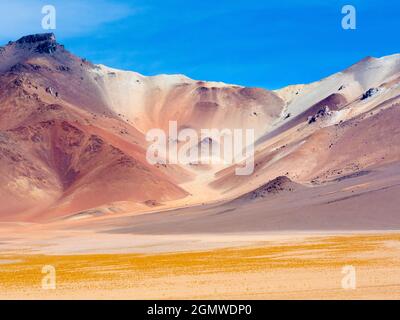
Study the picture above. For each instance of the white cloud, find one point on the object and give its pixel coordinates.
(74, 17)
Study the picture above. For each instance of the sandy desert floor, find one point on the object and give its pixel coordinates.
(290, 268)
(292, 245)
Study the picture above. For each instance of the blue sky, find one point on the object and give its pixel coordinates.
(269, 43)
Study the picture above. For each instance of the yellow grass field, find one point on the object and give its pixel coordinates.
(311, 270)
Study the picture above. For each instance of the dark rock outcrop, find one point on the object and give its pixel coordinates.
(277, 185)
(52, 91)
(34, 38)
(281, 184)
(325, 111)
(369, 93)
(41, 43)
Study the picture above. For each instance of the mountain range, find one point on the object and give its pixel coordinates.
(73, 145)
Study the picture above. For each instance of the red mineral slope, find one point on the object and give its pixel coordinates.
(63, 150)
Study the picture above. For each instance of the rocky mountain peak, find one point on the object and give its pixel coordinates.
(41, 43)
(34, 38)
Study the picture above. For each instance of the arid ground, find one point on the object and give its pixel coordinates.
(226, 258)
(298, 267)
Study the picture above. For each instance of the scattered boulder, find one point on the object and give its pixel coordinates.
(63, 68)
(18, 82)
(369, 93)
(152, 203)
(323, 112)
(52, 91)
